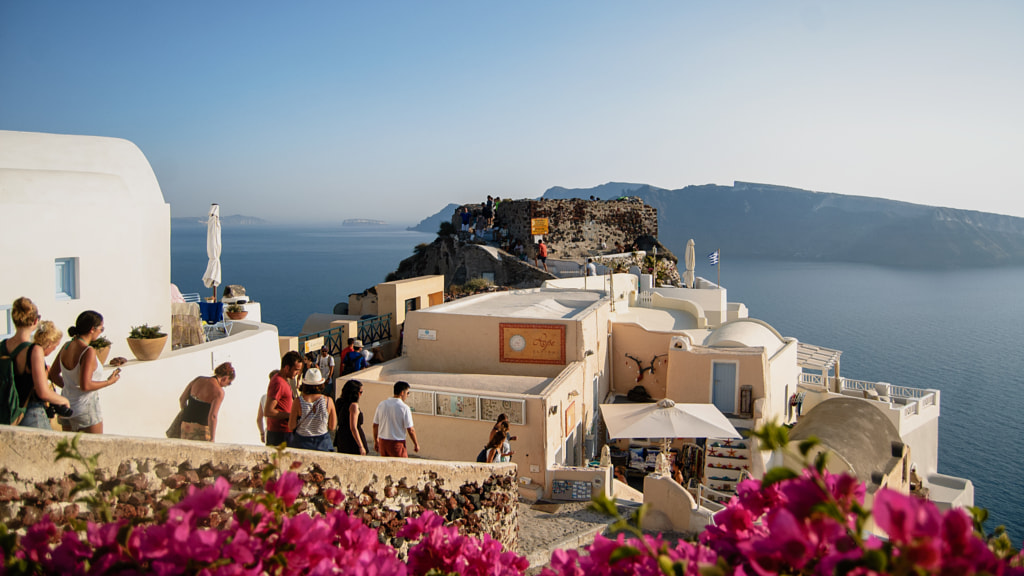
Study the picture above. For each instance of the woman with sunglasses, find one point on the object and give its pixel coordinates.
(350, 438)
(78, 371)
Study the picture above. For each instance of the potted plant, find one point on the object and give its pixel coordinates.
(146, 342)
(236, 312)
(102, 347)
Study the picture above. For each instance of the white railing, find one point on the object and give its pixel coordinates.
(905, 392)
(928, 399)
(811, 379)
(644, 299)
(848, 384)
(911, 409)
(704, 501)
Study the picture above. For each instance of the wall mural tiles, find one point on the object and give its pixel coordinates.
(532, 343)
(456, 405)
(515, 410)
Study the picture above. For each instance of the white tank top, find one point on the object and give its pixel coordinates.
(314, 417)
(72, 390)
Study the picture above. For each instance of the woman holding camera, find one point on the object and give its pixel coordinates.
(78, 370)
(30, 366)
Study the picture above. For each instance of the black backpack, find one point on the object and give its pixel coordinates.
(12, 407)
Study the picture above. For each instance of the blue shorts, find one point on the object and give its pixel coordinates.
(276, 438)
(321, 442)
(35, 417)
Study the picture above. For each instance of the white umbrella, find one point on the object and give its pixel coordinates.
(211, 278)
(691, 263)
(666, 419)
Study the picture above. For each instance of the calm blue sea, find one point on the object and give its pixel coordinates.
(957, 331)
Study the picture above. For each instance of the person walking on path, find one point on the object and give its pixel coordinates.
(30, 365)
(78, 370)
(591, 267)
(325, 362)
(392, 422)
(279, 399)
(312, 417)
(354, 361)
(542, 255)
(201, 402)
(350, 438)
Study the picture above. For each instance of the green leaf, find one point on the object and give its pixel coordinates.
(778, 474)
(876, 560)
(623, 552)
(603, 504)
(808, 444)
(820, 460)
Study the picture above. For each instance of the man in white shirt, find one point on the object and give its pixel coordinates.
(591, 267)
(392, 422)
(325, 362)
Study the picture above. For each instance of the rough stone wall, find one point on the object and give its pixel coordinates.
(460, 262)
(576, 227)
(480, 499)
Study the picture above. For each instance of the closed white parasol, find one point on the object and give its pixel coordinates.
(211, 278)
(691, 264)
(666, 419)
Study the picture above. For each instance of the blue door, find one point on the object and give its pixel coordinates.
(723, 391)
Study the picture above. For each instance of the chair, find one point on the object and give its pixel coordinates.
(212, 312)
(192, 297)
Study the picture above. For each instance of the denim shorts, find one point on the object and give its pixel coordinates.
(35, 417)
(321, 442)
(87, 413)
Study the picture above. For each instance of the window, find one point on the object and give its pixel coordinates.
(410, 304)
(6, 324)
(66, 275)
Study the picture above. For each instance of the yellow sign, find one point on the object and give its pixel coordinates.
(538, 226)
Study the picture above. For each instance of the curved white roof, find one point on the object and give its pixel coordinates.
(746, 332)
(38, 168)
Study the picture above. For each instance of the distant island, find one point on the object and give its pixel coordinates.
(765, 221)
(362, 222)
(233, 220)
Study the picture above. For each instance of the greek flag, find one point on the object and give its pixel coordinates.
(713, 258)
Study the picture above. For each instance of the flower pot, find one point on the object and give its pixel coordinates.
(237, 315)
(148, 348)
(102, 353)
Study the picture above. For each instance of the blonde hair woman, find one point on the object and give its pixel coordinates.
(78, 370)
(30, 365)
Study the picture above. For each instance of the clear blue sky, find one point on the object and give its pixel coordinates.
(328, 110)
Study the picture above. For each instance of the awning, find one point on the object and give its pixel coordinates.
(666, 419)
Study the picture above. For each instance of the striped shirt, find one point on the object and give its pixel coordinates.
(313, 421)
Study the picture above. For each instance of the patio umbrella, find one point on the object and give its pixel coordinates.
(691, 263)
(666, 419)
(211, 278)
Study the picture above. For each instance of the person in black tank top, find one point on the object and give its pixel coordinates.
(350, 438)
(200, 403)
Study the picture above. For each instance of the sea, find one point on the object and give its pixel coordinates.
(958, 331)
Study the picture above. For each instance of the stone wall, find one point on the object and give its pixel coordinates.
(576, 227)
(479, 498)
(460, 262)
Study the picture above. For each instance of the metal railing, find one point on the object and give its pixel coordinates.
(370, 330)
(376, 329)
(703, 493)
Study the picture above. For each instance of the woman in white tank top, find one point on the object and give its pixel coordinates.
(78, 371)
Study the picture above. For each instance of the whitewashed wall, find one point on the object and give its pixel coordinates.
(91, 198)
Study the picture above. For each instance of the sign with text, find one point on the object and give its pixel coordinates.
(314, 344)
(538, 226)
(532, 343)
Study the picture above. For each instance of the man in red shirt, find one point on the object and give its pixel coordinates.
(542, 255)
(279, 399)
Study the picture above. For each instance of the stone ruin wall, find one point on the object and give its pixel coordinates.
(480, 499)
(576, 226)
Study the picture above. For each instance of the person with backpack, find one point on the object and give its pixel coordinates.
(24, 387)
(78, 370)
(354, 361)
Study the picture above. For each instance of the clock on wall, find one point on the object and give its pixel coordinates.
(517, 342)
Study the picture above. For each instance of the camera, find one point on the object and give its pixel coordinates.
(59, 410)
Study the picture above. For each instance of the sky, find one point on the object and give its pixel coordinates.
(319, 111)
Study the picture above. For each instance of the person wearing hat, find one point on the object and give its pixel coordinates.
(354, 361)
(312, 417)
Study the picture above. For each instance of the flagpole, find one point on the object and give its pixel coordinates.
(719, 267)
